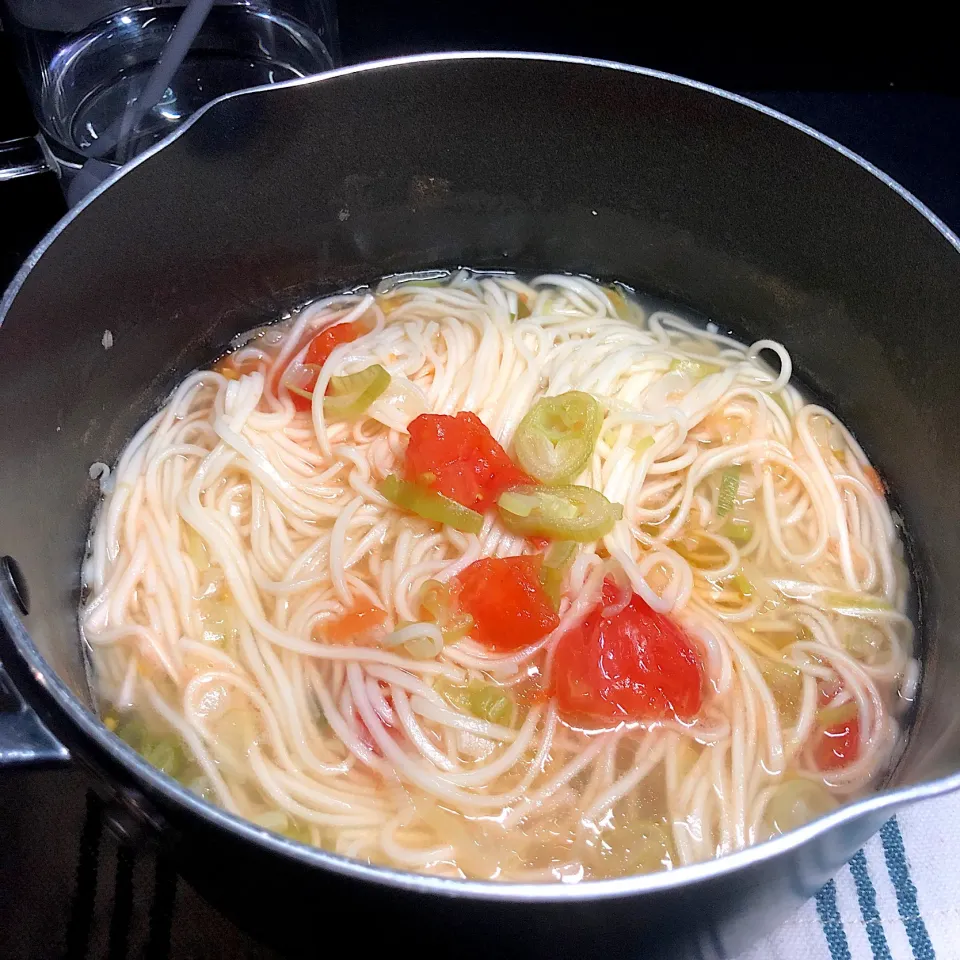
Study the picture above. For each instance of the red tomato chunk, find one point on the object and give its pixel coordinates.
(458, 457)
(637, 665)
(839, 745)
(321, 346)
(509, 606)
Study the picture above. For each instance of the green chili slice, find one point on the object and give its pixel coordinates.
(430, 505)
(349, 396)
(555, 439)
(561, 513)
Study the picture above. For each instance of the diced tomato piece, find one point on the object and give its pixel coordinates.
(325, 342)
(873, 479)
(302, 403)
(509, 606)
(532, 693)
(636, 665)
(321, 346)
(839, 745)
(458, 457)
(360, 623)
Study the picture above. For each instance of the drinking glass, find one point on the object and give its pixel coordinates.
(84, 63)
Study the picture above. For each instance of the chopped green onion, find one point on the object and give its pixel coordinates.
(456, 627)
(132, 731)
(853, 601)
(436, 599)
(429, 504)
(729, 487)
(203, 788)
(491, 703)
(832, 716)
(786, 684)
(694, 368)
(165, 754)
(420, 640)
(275, 820)
(561, 513)
(739, 531)
(555, 440)
(556, 562)
(745, 587)
(422, 648)
(642, 444)
(795, 802)
(458, 697)
(349, 396)
(299, 391)
(484, 700)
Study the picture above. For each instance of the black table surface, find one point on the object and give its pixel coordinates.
(68, 887)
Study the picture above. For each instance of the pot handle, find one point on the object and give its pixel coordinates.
(24, 740)
(22, 157)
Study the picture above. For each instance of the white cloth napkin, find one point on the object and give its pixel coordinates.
(897, 899)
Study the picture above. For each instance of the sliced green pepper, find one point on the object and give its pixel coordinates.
(430, 505)
(555, 439)
(349, 396)
(561, 513)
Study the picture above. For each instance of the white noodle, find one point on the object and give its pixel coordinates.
(236, 530)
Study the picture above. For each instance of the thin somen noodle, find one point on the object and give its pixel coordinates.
(295, 604)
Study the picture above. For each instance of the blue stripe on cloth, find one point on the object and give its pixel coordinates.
(868, 907)
(829, 915)
(897, 867)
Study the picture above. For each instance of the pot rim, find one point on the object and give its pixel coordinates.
(67, 703)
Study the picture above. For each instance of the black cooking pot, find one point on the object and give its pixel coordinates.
(273, 196)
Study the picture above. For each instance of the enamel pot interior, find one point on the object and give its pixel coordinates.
(272, 197)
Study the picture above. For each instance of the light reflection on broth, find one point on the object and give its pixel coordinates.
(277, 618)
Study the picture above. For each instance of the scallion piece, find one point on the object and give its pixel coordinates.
(694, 368)
(853, 601)
(299, 391)
(349, 396)
(739, 531)
(430, 505)
(491, 703)
(729, 487)
(484, 700)
(833, 716)
(165, 754)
